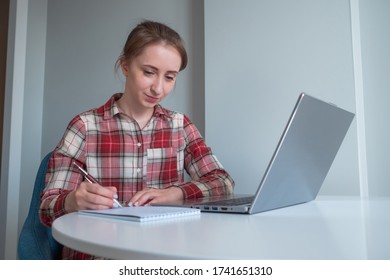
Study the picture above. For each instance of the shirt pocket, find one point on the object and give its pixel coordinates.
(161, 167)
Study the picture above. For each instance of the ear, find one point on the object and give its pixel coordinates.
(124, 67)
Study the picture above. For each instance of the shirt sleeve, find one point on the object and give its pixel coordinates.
(208, 177)
(60, 176)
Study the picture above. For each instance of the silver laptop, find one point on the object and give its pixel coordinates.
(299, 165)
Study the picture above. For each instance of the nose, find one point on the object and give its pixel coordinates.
(158, 86)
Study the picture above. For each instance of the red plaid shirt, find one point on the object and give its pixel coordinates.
(114, 150)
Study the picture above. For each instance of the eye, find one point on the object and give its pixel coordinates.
(170, 77)
(148, 72)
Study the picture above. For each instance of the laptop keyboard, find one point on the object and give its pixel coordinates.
(233, 201)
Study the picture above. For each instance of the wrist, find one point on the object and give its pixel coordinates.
(68, 205)
(179, 194)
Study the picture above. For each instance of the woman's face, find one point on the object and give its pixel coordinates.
(151, 76)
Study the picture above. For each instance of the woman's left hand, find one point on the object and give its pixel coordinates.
(151, 195)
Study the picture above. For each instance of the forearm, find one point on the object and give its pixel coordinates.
(216, 182)
(52, 205)
(60, 176)
(208, 177)
(60, 181)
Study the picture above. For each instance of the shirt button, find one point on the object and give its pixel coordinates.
(138, 170)
(139, 145)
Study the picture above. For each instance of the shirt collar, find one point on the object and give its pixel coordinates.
(111, 109)
(160, 111)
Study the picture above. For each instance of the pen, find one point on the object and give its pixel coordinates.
(92, 180)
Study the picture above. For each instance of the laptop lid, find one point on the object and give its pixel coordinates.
(304, 154)
(300, 163)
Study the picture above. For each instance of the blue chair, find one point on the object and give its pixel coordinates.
(36, 241)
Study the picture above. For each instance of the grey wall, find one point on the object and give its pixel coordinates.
(375, 38)
(33, 100)
(259, 56)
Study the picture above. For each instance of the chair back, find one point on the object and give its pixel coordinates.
(36, 241)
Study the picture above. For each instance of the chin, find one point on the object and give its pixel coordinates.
(149, 105)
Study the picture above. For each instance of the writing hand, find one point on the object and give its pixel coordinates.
(90, 196)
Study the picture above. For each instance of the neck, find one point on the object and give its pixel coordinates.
(141, 115)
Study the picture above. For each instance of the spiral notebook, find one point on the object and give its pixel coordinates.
(143, 213)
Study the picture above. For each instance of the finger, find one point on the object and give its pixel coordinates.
(136, 196)
(170, 195)
(94, 196)
(143, 197)
(88, 200)
(109, 192)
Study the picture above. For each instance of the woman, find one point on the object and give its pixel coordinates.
(136, 149)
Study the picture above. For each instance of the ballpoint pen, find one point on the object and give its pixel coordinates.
(92, 180)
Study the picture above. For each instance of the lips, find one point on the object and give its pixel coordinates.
(151, 99)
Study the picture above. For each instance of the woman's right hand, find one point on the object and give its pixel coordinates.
(90, 196)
